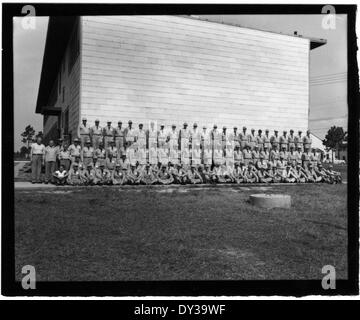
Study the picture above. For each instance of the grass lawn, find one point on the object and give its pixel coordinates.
(180, 233)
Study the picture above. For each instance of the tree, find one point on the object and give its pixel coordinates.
(27, 136)
(334, 138)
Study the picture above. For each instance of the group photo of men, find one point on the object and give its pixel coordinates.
(127, 155)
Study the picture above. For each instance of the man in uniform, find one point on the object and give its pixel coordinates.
(306, 157)
(236, 137)
(119, 134)
(291, 140)
(238, 155)
(87, 154)
(74, 177)
(275, 139)
(252, 139)
(217, 146)
(243, 139)
(152, 144)
(148, 176)
(96, 134)
(163, 176)
(260, 140)
(275, 155)
(108, 133)
(265, 154)
(84, 132)
(298, 140)
(267, 140)
(194, 176)
(255, 154)
(100, 155)
(112, 150)
(185, 144)
(173, 141)
(298, 155)
(89, 174)
(247, 155)
(283, 155)
(284, 141)
(64, 157)
(307, 141)
(129, 135)
(206, 144)
(110, 161)
(75, 149)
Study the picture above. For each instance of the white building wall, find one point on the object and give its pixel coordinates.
(173, 69)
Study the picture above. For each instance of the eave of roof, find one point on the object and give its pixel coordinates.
(314, 42)
(57, 37)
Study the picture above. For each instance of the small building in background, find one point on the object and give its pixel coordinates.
(171, 69)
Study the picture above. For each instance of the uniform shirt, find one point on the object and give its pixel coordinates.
(247, 154)
(113, 151)
(88, 152)
(195, 138)
(162, 138)
(37, 148)
(274, 155)
(75, 150)
(307, 140)
(298, 140)
(108, 131)
(243, 137)
(64, 154)
(51, 153)
(291, 139)
(96, 130)
(275, 140)
(238, 156)
(173, 139)
(260, 140)
(141, 138)
(255, 155)
(283, 140)
(152, 138)
(265, 155)
(129, 134)
(84, 130)
(100, 153)
(119, 132)
(252, 139)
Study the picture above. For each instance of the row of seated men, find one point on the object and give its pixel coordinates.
(123, 137)
(122, 172)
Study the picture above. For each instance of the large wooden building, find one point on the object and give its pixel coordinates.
(171, 69)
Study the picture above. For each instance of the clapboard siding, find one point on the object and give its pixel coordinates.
(173, 69)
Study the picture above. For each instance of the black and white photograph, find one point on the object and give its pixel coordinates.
(163, 150)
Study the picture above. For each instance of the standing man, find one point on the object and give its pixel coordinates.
(243, 139)
(173, 139)
(284, 141)
(267, 140)
(184, 144)
(119, 134)
(75, 149)
(51, 152)
(195, 138)
(112, 151)
(152, 135)
(129, 135)
(96, 134)
(84, 132)
(64, 157)
(141, 145)
(236, 138)
(87, 154)
(291, 140)
(108, 133)
(307, 141)
(260, 140)
(217, 146)
(275, 140)
(252, 139)
(298, 140)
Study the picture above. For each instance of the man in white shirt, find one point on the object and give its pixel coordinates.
(51, 153)
(37, 160)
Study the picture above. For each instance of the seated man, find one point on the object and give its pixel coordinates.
(218, 173)
(268, 172)
(148, 177)
(173, 170)
(302, 176)
(89, 174)
(163, 176)
(227, 173)
(207, 174)
(263, 177)
(278, 172)
(102, 175)
(238, 173)
(134, 175)
(291, 176)
(194, 175)
(322, 173)
(317, 177)
(60, 175)
(182, 174)
(117, 175)
(74, 177)
(335, 175)
(251, 173)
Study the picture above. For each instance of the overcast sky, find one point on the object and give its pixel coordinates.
(328, 67)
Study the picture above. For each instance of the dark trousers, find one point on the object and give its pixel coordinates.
(50, 167)
(36, 163)
(66, 163)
